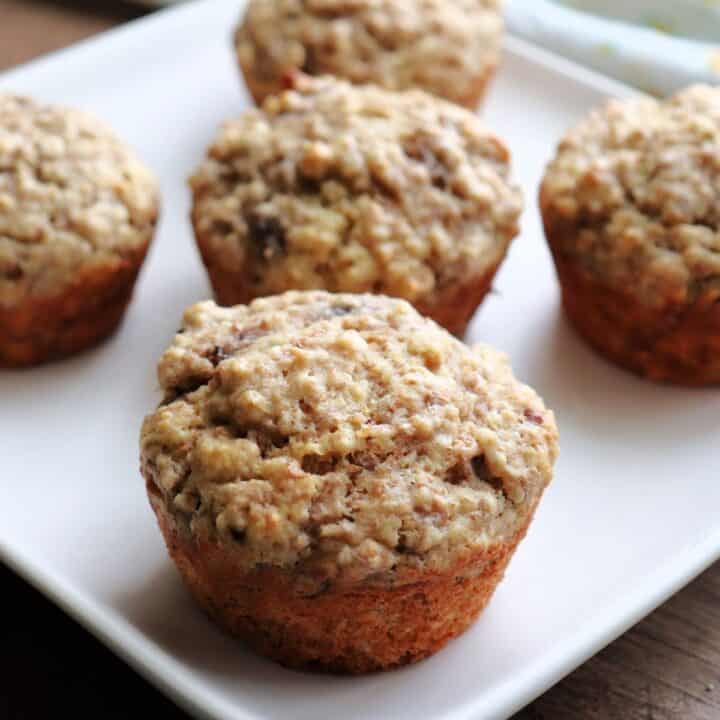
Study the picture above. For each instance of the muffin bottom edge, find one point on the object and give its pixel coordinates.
(44, 330)
(453, 307)
(353, 630)
(260, 89)
(675, 343)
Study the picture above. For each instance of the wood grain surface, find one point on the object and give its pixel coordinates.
(29, 28)
(666, 668)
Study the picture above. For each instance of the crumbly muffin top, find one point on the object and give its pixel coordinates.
(71, 196)
(343, 436)
(639, 184)
(441, 46)
(355, 189)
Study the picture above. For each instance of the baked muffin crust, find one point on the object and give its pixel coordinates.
(446, 47)
(354, 189)
(631, 206)
(641, 181)
(343, 438)
(73, 198)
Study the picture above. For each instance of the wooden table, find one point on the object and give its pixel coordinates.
(666, 668)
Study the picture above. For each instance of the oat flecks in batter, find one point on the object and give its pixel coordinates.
(72, 197)
(641, 181)
(355, 189)
(345, 435)
(446, 47)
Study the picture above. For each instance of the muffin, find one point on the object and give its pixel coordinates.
(77, 213)
(355, 189)
(631, 207)
(449, 48)
(340, 481)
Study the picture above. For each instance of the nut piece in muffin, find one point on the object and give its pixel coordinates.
(631, 207)
(449, 48)
(355, 189)
(340, 481)
(77, 213)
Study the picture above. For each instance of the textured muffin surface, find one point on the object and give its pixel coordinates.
(72, 198)
(343, 438)
(446, 47)
(633, 197)
(354, 189)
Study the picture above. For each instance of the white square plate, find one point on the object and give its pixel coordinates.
(632, 514)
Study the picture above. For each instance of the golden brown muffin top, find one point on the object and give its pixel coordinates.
(638, 182)
(355, 189)
(343, 436)
(71, 196)
(441, 46)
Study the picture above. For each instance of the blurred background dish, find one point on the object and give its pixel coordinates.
(658, 47)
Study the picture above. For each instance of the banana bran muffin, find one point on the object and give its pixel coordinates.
(340, 482)
(355, 189)
(77, 213)
(631, 206)
(449, 48)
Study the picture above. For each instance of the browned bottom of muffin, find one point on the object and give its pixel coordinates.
(231, 287)
(260, 88)
(44, 329)
(356, 629)
(475, 96)
(675, 343)
(453, 307)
